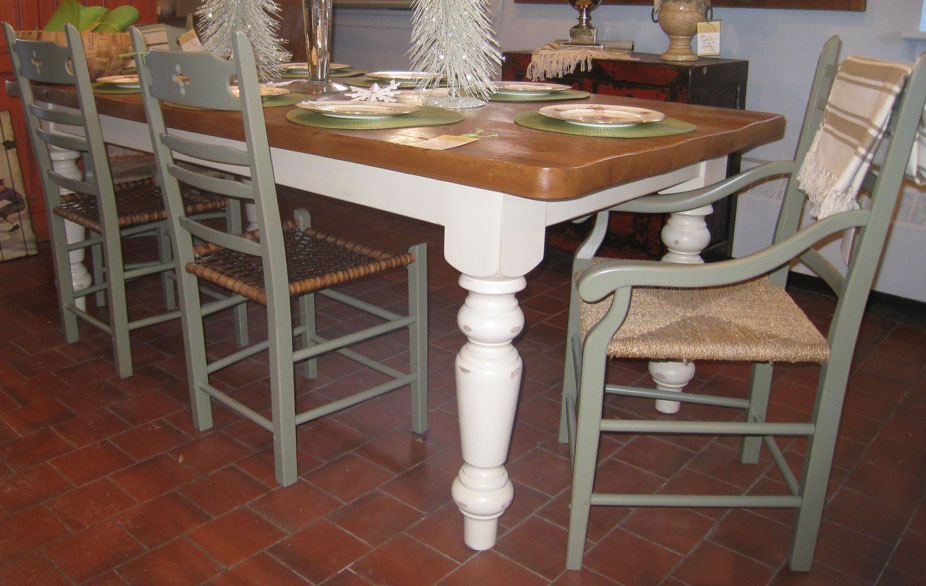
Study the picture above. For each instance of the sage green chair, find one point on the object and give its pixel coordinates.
(271, 265)
(733, 310)
(108, 211)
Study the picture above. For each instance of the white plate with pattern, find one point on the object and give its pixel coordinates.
(128, 81)
(266, 91)
(303, 66)
(601, 115)
(528, 88)
(358, 110)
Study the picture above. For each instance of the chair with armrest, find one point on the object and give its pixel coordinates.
(108, 211)
(735, 310)
(271, 265)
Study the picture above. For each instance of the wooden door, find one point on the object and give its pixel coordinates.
(30, 15)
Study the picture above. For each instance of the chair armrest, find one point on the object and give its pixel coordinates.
(607, 277)
(695, 198)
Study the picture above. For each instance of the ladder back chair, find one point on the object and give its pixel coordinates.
(735, 310)
(271, 265)
(108, 211)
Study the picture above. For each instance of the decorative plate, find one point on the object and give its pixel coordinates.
(120, 80)
(601, 114)
(265, 90)
(303, 66)
(403, 77)
(528, 88)
(362, 110)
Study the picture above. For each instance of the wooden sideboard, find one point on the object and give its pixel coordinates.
(707, 81)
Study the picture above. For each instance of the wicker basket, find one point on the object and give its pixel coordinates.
(103, 50)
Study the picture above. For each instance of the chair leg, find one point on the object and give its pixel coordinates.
(194, 339)
(62, 264)
(568, 397)
(307, 320)
(759, 386)
(118, 307)
(418, 336)
(165, 254)
(240, 312)
(99, 272)
(591, 395)
(817, 464)
(282, 391)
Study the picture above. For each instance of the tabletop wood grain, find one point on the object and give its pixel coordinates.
(519, 161)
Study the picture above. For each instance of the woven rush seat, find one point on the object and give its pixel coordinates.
(752, 320)
(314, 261)
(137, 202)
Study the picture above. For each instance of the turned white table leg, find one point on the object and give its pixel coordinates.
(64, 162)
(488, 377)
(685, 235)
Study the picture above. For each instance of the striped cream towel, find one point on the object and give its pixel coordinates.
(854, 121)
(916, 167)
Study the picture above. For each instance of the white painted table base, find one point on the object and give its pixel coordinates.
(494, 240)
(64, 162)
(685, 236)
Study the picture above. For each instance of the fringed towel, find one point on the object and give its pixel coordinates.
(916, 168)
(557, 59)
(854, 121)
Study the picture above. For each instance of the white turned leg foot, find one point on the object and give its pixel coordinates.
(485, 493)
(671, 376)
(488, 378)
(685, 235)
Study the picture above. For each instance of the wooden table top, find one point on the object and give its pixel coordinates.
(519, 161)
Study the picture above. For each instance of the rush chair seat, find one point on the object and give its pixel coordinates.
(738, 310)
(109, 211)
(272, 265)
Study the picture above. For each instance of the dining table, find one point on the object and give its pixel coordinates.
(494, 197)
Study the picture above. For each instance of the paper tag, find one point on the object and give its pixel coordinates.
(708, 38)
(438, 143)
(189, 42)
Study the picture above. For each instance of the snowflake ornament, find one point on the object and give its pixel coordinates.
(374, 93)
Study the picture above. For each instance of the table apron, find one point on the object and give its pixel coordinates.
(486, 233)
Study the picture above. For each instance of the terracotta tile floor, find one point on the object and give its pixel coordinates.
(105, 481)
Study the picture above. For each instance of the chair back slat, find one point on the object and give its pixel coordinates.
(64, 141)
(208, 152)
(56, 116)
(73, 185)
(201, 81)
(43, 62)
(190, 80)
(48, 62)
(210, 183)
(223, 239)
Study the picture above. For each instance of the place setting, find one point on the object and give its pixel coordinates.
(368, 115)
(301, 70)
(603, 120)
(402, 79)
(117, 84)
(534, 91)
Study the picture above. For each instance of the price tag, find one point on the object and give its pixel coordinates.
(189, 42)
(708, 38)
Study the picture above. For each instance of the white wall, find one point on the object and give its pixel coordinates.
(780, 45)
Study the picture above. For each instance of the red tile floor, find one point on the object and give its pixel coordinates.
(105, 481)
